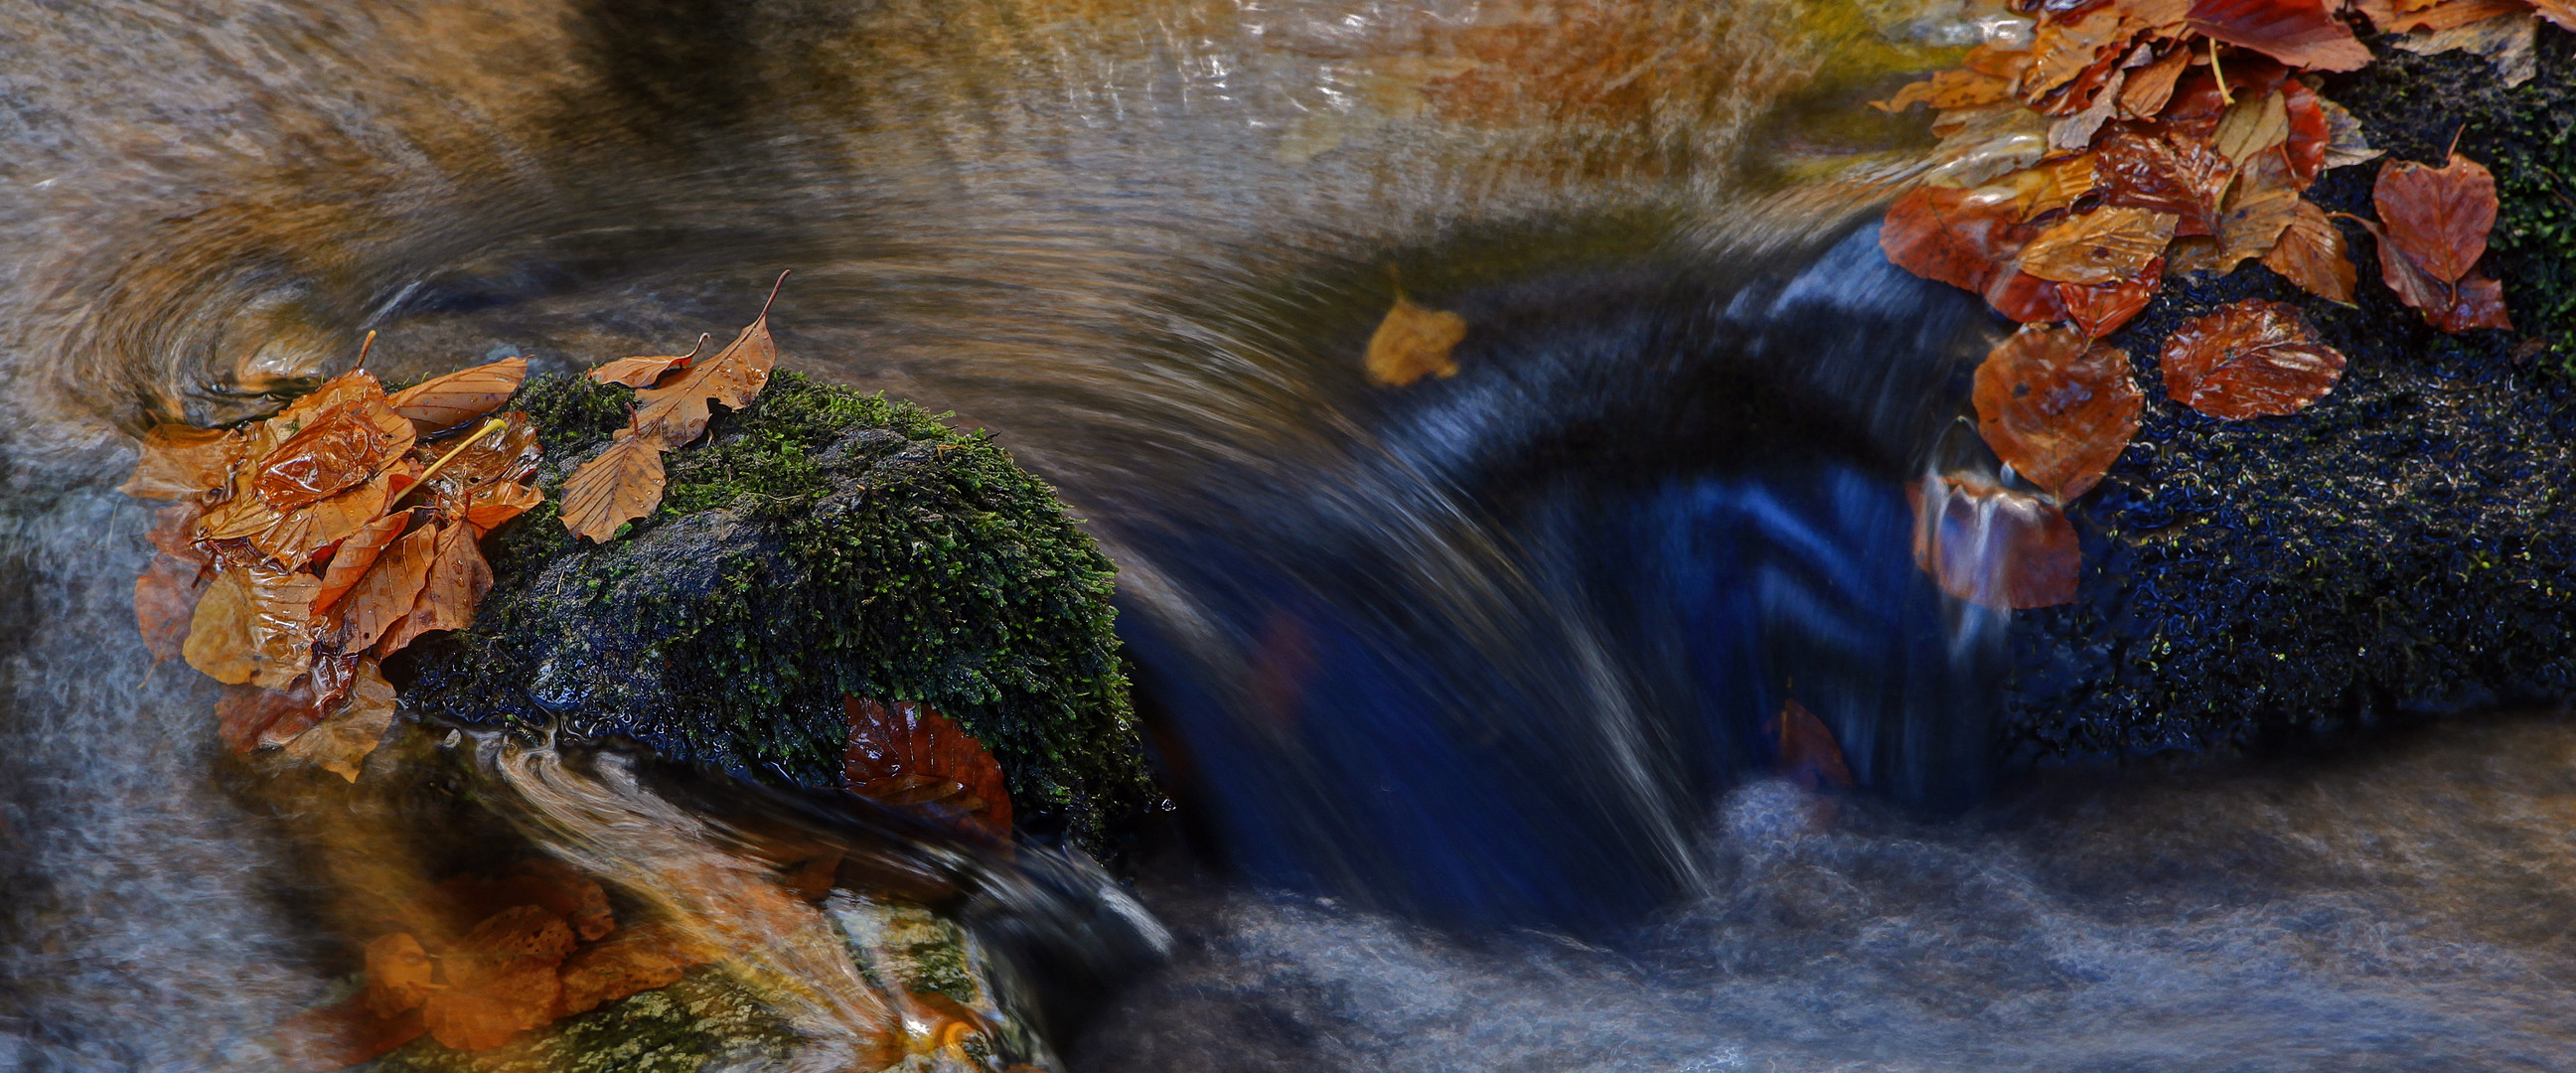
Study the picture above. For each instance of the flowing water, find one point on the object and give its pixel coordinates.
(1460, 686)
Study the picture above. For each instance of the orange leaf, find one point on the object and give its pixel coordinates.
(492, 504)
(1808, 754)
(1992, 547)
(448, 401)
(2026, 298)
(2164, 171)
(2250, 359)
(2438, 217)
(338, 451)
(249, 717)
(621, 484)
(2058, 409)
(636, 960)
(501, 979)
(1958, 237)
(2070, 59)
(676, 413)
(297, 534)
(1962, 88)
(2311, 132)
(509, 453)
(2300, 33)
(643, 372)
(2102, 308)
(2108, 245)
(458, 577)
(2149, 87)
(180, 461)
(340, 743)
(2312, 254)
(384, 594)
(907, 754)
(398, 974)
(253, 625)
(1413, 342)
(356, 553)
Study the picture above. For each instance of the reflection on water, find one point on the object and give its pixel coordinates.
(1485, 652)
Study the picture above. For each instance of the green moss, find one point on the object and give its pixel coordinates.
(821, 542)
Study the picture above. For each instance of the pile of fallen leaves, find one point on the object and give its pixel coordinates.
(624, 482)
(307, 547)
(2127, 142)
(481, 958)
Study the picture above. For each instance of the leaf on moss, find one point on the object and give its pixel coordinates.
(2057, 407)
(643, 372)
(676, 413)
(2300, 33)
(1413, 342)
(621, 484)
(2100, 309)
(2560, 13)
(340, 743)
(1992, 547)
(448, 401)
(908, 755)
(2260, 206)
(457, 579)
(2164, 171)
(399, 974)
(2473, 302)
(501, 979)
(2312, 253)
(2345, 143)
(2438, 217)
(182, 461)
(2108, 245)
(2254, 358)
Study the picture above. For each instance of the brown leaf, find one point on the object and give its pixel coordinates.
(165, 602)
(340, 743)
(501, 979)
(492, 504)
(1960, 88)
(1413, 342)
(2055, 185)
(180, 461)
(1807, 753)
(2345, 144)
(2250, 359)
(1993, 547)
(2447, 15)
(356, 553)
(907, 754)
(676, 413)
(384, 595)
(448, 401)
(398, 974)
(2165, 172)
(2107, 245)
(2310, 133)
(2312, 254)
(458, 578)
(2075, 131)
(249, 717)
(621, 484)
(2056, 407)
(2251, 125)
(2102, 308)
(640, 372)
(253, 625)
(338, 451)
(2070, 58)
(2561, 13)
(2438, 217)
(2149, 87)
(296, 534)
(2300, 33)
(636, 960)
(1959, 237)
(2260, 206)
(2474, 302)
(2026, 298)
(507, 453)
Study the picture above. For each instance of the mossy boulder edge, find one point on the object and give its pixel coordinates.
(819, 542)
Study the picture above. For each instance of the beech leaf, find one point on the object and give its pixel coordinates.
(2108, 245)
(180, 461)
(676, 413)
(2165, 171)
(457, 579)
(2101, 308)
(2057, 407)
(501, 979)
(384, 594)
(248, 717)
(907, 754)
(448, 401)
(253, 626)
(165, 602)
(1413, 342)
(341, 742)
(355, 554)
(2438, 217)
(2254, 358)
(1958, 237)
(2312, 253)
(643, 372)
(1992, 547)
(2300, 33)
(619, 485)
(633, 961)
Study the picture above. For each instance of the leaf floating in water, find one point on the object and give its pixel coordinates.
(251, 626)
(643, 372)
(2057, 408)
(183, 461)
(461, 396)
(500, 979)
(1413, 342)
(2250, 359)
(1993, 547)
(342, 742)
(1807, 753)
(907, 754)
(344, 1034)
(636, 960)
(621, 484)
(399, 974)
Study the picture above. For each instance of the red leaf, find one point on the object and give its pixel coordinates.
(1959, 237)
(2251, 359)
(2300, 33)
(2058, 409)
(2310, 132)
(2101, 308)
(1808, 754)
(908, 754)
(1992, 547)
(2147, 168)
(249, 717)
(2438, 217)
(2026, 298)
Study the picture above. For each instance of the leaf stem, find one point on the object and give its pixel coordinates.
(443, 460)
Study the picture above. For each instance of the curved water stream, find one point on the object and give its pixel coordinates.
(1460, 684)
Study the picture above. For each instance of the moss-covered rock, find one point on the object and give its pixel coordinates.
(820, 542)
(2402, 548)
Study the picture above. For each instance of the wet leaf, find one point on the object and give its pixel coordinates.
(458, 577)
(2070, 58)
(2102, 308)
(2309, 133)
(1413, 342)
(676, 413)
(1960, 88)
(296, 534)
(2441, 16)
(621, 484)
(907, 754)
(180, 461)
(356, 553)
(2251, 125)
(448, 401)
(165, 602)
(2260, 206)
(2345, 144)
(2055, 185)
(250, 717)
(340, 743)
(2560, 13)
(384, 595)
(340, 450)
(492, 504)
(2251, 359)
(2312, 253)
(253, 625)
(1993, 547)
(634, 961)
(2300, 33)
(507, 453)
(2165, 172)
(1806, 751)
(399, 974)
(1958, 237)
(2107, 245)
(2148, 88)
(2438, 217)
(501, 979)
(2076, 130)
(2026, 298)
(2056, 407)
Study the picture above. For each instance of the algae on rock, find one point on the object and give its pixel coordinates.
(818, 543)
